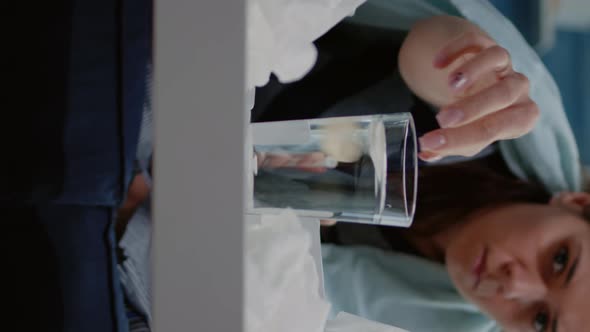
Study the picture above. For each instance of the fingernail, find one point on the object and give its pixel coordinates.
(458, 80)
(429, 157)
(434, 159)
(432, 141)
(449, 117)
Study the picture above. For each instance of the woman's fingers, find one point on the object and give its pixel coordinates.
(469, 42)
(273, 160)
(429, 156)
(492, 62)
(470, 139)
(314, 162)
(507, 91)
(309, 159)
(328, 222)
(491, 101)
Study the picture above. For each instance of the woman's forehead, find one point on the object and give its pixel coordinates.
(563, 222)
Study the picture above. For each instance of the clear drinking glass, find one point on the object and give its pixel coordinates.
(355, 169)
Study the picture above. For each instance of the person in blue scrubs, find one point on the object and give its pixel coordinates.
(81, 87)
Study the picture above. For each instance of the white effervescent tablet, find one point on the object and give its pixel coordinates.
(378, 154)
(341, 143)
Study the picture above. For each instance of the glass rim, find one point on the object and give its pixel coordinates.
(412, 209)
(409, 202)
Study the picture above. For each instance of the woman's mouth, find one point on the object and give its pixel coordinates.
(479, 268)
(484, 286)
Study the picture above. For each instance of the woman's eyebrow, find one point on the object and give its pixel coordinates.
(572, 272)
(569, 277)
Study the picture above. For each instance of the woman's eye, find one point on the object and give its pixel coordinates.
(560, 260)
(541, 322)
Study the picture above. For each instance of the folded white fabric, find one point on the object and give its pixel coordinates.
(280, 35)
(282, 280)
(345, 322)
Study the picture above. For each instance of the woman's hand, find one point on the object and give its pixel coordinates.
(138, 192)
(313, 162)
(454, 65)
(493, 101)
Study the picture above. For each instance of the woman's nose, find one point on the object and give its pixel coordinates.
(522, 284)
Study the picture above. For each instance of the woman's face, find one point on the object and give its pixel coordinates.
(527, 266)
